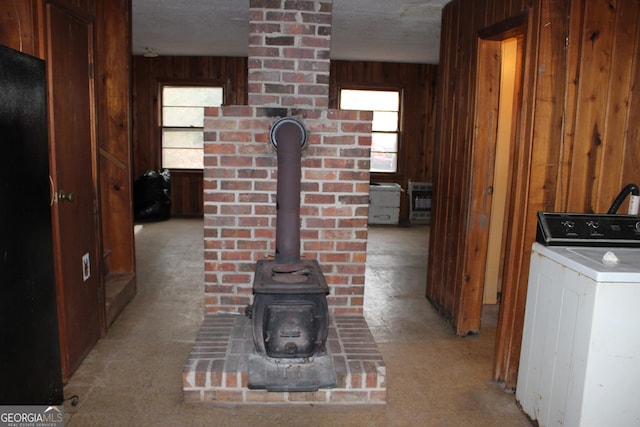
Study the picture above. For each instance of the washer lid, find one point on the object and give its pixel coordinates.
(589, 261)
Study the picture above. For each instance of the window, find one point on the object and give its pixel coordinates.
(385, 126)
(183, 124)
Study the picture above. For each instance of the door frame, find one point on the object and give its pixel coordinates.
(482, 164)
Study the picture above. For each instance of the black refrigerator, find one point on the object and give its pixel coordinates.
(30, 372)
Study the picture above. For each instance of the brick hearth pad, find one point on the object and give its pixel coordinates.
(216, 371)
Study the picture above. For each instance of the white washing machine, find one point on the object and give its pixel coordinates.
(580, 358)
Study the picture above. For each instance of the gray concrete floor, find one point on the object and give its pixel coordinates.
(133, 375)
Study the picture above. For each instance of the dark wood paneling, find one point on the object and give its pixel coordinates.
(19, 26)
(148, 75)
(187, 184)
(418, 85)
(577, 138)
(113, 69)
(84, 8)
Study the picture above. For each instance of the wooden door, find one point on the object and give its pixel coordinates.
(73, 166)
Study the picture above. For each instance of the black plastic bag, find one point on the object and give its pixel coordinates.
(152, 196)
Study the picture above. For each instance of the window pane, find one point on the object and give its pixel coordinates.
(192, 96)
(182, 158)
(183, 116)
(179, 138)
(369, 100)
(385, 121)
(183, 124)
(385, 125)
(384, 142)
(383, 162)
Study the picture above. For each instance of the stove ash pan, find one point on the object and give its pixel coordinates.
(290, 320)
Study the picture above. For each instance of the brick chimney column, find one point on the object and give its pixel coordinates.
(288, 76)
(289, 47)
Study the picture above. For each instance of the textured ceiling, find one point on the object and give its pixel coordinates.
(371, 30)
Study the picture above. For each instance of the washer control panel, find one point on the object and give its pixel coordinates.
(574, 229)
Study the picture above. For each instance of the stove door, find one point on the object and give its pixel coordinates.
(290, 329)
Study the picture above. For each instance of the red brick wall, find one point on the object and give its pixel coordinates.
(289, 46)
(288, 75)
(239, 202)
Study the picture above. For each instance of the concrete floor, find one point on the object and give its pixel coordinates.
(133, 376)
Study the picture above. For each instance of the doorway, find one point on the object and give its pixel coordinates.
(502, 171)
(497, 109)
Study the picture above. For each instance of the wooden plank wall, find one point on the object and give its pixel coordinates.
(578, 137)
(417, 82)
(113, 110)
(148, 75)
(19, 22)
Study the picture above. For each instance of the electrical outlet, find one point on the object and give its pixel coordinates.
(86, 267)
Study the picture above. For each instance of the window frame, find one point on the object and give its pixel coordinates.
(383, 88)
(182, 83)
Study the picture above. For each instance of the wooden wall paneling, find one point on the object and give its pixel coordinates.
(459, 189)
(189, 185)
(620, 79)
(81, 7)
(145, 111)
(113, 67)
(574, 38)
(466, 177)
(440, 248)
(435, 264)
(464, 139)
(591, 111)
(113, 88)
(631, 157)
(452, 199)
(148, 75)
(428, 128)
(20, 23)
(447, 199)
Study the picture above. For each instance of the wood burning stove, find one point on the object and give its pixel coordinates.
(290, 319)
(290, 316)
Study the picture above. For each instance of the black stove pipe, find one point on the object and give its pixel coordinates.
(288, 136)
